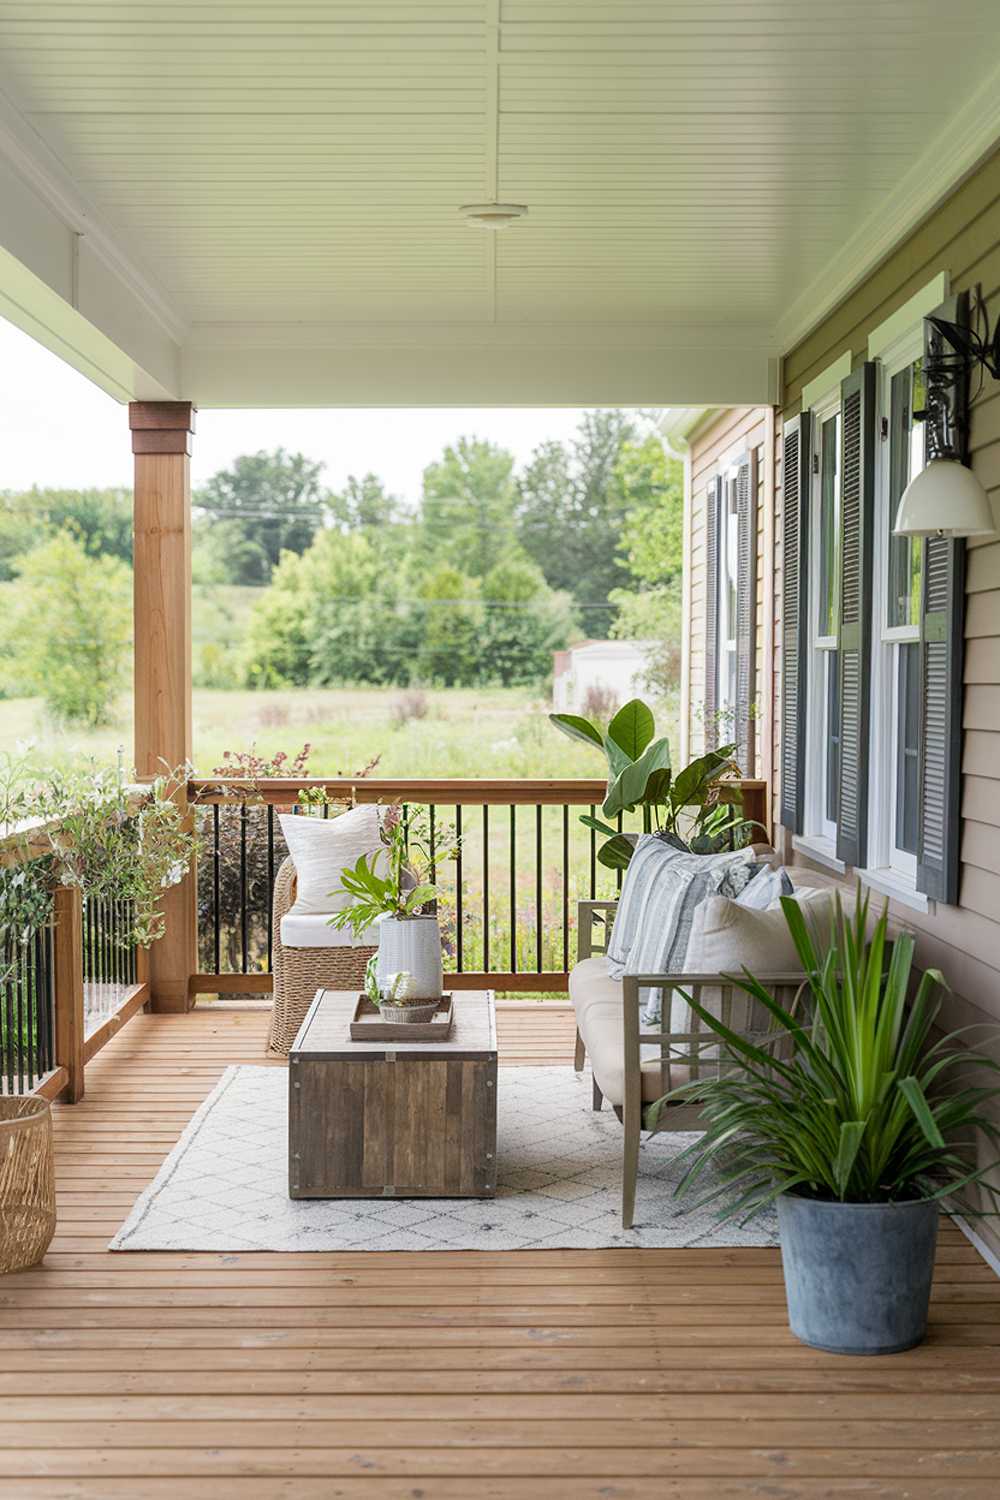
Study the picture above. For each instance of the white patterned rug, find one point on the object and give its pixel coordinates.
(224, 1185)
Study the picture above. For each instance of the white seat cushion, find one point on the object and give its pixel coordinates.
(321, 849)
(598, 1003)
(307, 930)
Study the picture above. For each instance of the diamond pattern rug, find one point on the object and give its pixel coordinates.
(224, 1185)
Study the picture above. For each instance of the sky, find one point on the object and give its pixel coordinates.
(57, 429)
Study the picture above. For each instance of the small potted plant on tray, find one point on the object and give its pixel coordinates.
(390, 891)
(858, 1123)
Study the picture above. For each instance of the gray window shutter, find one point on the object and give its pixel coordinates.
(942, 619)
(796, 447)
(713, 514)
(746, 614)
(857, 524)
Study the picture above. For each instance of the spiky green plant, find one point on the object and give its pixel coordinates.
(859, 1104)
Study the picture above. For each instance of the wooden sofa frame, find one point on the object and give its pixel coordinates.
(696, 1051)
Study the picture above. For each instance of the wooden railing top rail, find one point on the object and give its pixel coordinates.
(20, 843)
(467, 792)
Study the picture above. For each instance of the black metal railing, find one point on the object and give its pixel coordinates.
(508, 907)
(27, 1011)
(508, 900)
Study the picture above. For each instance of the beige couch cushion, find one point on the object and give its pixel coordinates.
(726, 937)
(598, 1003)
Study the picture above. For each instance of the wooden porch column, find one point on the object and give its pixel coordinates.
(161, 443)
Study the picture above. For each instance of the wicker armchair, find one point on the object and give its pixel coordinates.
(300, 972)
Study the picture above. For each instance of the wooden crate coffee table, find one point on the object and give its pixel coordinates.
(372, 1120)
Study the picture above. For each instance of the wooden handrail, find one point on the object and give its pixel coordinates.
(465, 792)
(20, 843)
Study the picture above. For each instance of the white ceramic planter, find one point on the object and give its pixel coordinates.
(411, 945)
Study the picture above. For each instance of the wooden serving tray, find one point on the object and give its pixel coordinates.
(368, 1026)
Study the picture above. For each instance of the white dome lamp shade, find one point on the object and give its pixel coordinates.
(944, 499)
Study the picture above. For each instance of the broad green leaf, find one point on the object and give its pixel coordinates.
(630, 785)
(692, 784)
(578, 729)
(618, 759)
(658, 787)
(419, 895)
(616, 853)
(632, 728)
(598, 826)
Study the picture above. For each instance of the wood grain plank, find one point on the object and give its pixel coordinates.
(537, 1376)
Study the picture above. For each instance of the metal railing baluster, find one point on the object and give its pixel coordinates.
(538, 888)
(458, 892)
(216, 888)
(513, 888)
(270, 883)
(565, 885)
(244, 933)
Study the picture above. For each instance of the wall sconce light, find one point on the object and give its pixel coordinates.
(946, 498)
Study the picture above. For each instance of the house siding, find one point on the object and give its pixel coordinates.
(961, 238)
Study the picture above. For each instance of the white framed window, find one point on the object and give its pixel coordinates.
(897, 563)
(726, 599)
(823, 698)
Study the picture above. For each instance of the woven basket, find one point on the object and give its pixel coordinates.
(27, 1181)
(407, 1015)
(300, 972)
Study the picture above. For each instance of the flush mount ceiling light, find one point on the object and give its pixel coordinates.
(492, 215)
(946, 498)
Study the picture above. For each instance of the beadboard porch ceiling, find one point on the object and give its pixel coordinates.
(246, 203)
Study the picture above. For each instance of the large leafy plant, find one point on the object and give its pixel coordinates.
(700, 806)
(864, 1107)
(404, 889)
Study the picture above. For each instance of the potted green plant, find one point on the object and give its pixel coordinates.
(857, 1124)
(391, 892)
(700, 807)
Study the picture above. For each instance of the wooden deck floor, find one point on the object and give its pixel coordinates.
(528, 1376)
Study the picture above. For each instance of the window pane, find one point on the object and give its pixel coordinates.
(906, 458)
(832, 736)
(907, 751)
(829, 502)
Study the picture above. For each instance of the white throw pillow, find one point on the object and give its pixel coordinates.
(727, 937)
(321, 849)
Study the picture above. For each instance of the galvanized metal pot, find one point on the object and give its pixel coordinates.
(857, 1275)
(411, 945)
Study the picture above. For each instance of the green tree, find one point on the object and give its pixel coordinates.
(364, 505)
(652, 543)
(571, 513)
(525, 622)
(467, 508)
(272, 502)
(101, 519)
(331, 616)
(72, 629)
(450, 642)
(650, 485)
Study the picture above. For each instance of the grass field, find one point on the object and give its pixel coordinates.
(461, 732)
(529, 917)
